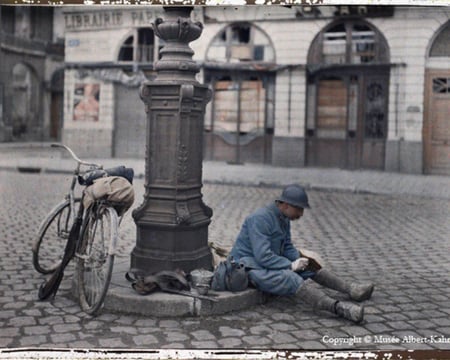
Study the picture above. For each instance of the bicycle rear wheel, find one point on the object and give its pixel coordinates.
(49, 244)
(94, 260)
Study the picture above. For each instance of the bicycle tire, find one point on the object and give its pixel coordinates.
(94, 259)
(49, 244)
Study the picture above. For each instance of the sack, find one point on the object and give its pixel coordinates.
(114, 189)
(89, 177)
(229, 275)
(218, 254)
(168, 281)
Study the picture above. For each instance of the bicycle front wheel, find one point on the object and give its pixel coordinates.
(94, 259)
(48, 247)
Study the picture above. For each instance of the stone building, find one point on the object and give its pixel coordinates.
(354, 87)
(31, 74)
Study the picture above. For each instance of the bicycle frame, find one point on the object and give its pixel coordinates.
(71, 194)
(97, 208)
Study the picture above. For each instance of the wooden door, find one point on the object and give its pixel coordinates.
(328, 146)
(239, 111)
(56, 115)
(347, 126)
(436, 127)
(373, 122)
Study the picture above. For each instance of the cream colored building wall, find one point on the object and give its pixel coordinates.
(409, 35)
(95, 46)
(200, 46)
(291, 41)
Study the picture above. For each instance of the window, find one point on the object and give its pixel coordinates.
(138, 47)
(363, 44)
(441, 45)
(240, 35)
(8, 19)
(441, 85)
(335, 45)
(239, 43)
(349, 43)
(374, 120)
(126, 51)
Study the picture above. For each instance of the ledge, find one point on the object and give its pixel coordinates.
(123, 299)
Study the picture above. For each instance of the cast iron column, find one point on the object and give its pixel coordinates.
(172, 222)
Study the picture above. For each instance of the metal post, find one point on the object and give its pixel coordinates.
(172, 222)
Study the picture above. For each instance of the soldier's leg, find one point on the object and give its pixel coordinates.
(356, 291)
(321, 301)
(276, 282)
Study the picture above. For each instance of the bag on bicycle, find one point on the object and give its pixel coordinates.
(122, 171)
(114, 189)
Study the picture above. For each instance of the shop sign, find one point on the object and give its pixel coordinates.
(95, 20)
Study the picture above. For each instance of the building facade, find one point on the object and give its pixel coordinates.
(31, 74)
(354, 87)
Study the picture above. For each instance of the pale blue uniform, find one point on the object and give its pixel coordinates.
(264, 246)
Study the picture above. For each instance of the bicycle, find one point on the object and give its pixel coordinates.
(91, 236)
(55, 228)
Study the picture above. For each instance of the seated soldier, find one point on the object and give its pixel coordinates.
(275, 266)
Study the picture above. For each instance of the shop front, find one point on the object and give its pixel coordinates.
(239, 120)
(348, 89)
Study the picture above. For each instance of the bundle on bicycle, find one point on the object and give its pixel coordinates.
(85, 228)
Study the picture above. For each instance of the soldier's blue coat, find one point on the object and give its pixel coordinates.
(264, 246)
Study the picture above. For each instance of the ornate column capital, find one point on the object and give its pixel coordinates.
(177, 30)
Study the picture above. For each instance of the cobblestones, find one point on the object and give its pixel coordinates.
(400, 242)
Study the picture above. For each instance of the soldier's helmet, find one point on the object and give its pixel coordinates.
(295, 195)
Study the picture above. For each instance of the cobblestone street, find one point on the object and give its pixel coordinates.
(399, 242)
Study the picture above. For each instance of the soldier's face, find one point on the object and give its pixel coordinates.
(292, 212)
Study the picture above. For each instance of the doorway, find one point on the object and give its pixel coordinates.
(347, 118)
(237, 129)
(25, 103)
(436, 129)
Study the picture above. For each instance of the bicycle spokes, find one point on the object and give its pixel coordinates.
(94, 261)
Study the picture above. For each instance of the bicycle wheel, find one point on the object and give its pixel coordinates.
(94, 260)
(49, 244)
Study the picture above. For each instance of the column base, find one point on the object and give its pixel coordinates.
(169, 248)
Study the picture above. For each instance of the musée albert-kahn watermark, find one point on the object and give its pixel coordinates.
(384, 339)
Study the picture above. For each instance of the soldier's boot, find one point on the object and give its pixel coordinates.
(320, 301)
(356, 291)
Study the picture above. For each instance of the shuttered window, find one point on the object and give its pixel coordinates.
(239, 43)
(138, 47)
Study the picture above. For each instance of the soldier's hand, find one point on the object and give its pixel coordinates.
(300, 264)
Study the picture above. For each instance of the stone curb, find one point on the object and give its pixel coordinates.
(122, 298)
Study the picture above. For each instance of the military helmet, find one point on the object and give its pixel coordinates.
(294, 195)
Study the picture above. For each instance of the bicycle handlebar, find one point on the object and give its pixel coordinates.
(75, 157)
